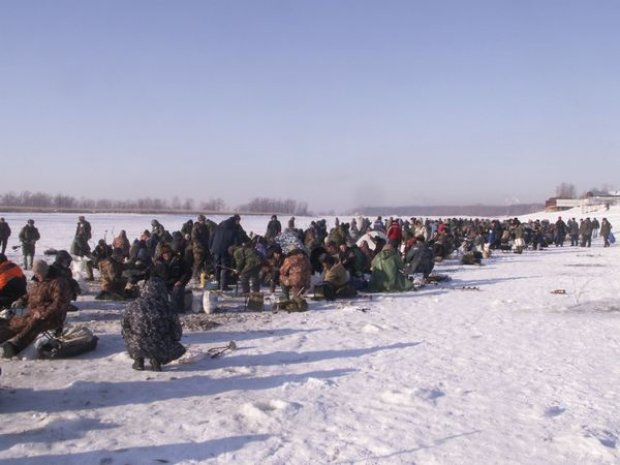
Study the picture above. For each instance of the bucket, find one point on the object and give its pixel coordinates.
(197, 305)
(210, 301)
(256, 302)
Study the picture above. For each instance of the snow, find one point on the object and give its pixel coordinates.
(491, 367)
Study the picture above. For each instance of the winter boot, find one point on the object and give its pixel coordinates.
(155, 365)
(8, 350)
(138, 364)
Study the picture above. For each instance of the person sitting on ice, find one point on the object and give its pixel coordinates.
(47, 305)
(387, 272)
(12, 282)
(61, 268)
(113, 283)
(122, 242)
(419, 258)
(101, 251)
(335, 281)
(174, 271)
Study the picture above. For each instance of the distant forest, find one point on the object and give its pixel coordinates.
(39, 201)
(487, 211)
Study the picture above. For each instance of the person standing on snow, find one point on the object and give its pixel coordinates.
(605, 231)
(5, 232)
(228, 233)
(80, 246)
(29, 235)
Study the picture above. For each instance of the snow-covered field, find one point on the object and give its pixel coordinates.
(492, 367)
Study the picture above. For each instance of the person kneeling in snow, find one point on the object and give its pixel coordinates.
(295, 274)
(48, 302)
(151, 327)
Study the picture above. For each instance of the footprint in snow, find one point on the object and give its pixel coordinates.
(430, 395)
(259, 409)
(554, 411)
(605, 437)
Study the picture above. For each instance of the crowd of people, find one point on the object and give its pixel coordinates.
(384, 255)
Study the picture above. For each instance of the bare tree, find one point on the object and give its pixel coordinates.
(566, 191)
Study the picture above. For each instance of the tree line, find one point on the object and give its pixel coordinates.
(38, 201)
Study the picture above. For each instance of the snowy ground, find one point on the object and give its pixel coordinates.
(491, 367)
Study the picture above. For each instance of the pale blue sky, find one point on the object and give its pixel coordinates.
(337, 103)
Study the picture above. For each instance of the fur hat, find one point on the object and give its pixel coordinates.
(40, 267)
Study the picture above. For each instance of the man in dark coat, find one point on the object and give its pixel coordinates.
(5, 232)
(151, 328)
(560, 232)
(605, 231)
(420, 258)
(228, 233)
(175, 273)
(200, 246)
(83, 233)
(274, 227)
(61, 268)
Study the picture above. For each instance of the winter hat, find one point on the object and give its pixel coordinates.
(40, 267)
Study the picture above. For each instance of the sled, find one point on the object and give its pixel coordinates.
(72, 342)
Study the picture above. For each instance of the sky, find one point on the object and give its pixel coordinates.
(337, 104)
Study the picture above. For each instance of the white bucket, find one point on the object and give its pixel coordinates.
(197, 305)
(210, 301)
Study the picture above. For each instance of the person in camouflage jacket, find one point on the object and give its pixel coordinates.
(295, 273)
(151, 327)
(47, 305)
(248, 262)
(28, 236)
(113, 282)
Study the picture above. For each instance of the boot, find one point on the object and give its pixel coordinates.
(89, 272)
(155, 365)
(8, 350)
(138, 364)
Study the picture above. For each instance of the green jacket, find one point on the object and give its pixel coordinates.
(246, 259)
(387, 273)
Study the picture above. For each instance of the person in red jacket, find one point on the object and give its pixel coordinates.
(395, 233)
(12, 282)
